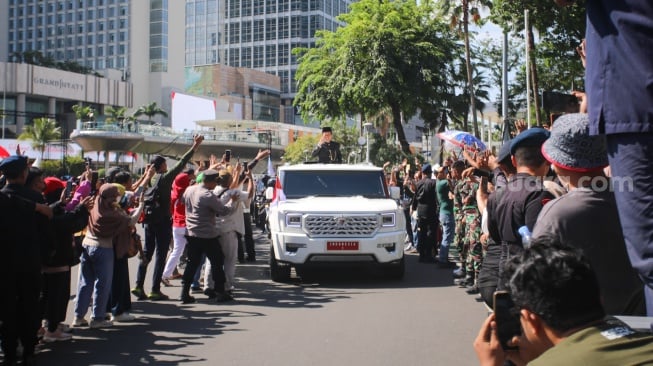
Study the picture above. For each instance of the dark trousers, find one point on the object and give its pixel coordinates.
(157, 239)
(56, 295)
(196, 247)
(120, 299)
(21, 318)
(249, 236)
(427, 231)
(409, 226)
(630, 156)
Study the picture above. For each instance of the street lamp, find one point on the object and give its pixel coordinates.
(367, 126)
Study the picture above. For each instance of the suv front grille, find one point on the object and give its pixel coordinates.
(341, 225)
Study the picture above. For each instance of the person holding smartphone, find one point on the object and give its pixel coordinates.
(555, 297)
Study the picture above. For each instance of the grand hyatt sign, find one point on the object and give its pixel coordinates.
(58, 83)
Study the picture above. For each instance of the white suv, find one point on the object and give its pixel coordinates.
(328, 214)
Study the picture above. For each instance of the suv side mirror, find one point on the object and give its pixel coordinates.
(395, 192)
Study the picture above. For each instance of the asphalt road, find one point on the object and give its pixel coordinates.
(342, 317)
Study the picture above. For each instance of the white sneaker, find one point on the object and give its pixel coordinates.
(64, 327)
(80, 322)
(124, 317)
(57, 336)
(97, 324)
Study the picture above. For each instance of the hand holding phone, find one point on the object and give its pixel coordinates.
(69, 188)
(507, 318)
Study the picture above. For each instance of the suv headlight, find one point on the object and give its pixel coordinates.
(294, 220)
(388, 219)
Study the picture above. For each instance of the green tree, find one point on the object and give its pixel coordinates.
(460, 12)
(560, 28)
(115, 114)
(150, 110)
(83, 113)
(390, 53)
(41, 132)
(300, 150)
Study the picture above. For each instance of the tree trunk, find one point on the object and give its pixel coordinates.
(468, 64)
(396, 121)
(534, 78)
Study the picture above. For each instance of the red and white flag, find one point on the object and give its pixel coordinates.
(278, 194)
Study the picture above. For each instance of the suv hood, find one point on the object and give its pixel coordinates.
(338, 204)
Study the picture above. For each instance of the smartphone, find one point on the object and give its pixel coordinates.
(68, 189)
(138, 191)
(483, 184)
(227, 155)
(506, 316)
(560, 103)
(244, 166)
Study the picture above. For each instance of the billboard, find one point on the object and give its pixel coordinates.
(186, 109)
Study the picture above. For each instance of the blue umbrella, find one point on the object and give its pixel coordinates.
(463, 139)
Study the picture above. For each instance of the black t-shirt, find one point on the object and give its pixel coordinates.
(520, 205)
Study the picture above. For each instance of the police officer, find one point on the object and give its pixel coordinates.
(21, 287)
(327, 151)
(524, 195)
(426, 204)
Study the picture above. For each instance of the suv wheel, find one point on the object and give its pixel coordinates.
(278, 272)
(397, 270)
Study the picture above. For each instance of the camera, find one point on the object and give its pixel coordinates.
(506, 315)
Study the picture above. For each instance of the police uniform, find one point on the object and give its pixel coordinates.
(520, 202)
(22, 286)
(426, 204)
(327, 152)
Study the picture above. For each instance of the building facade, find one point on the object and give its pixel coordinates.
(258, 34)
(140, 42)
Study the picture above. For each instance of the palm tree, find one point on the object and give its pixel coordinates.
(41, 133)
(150, 110)
(115, 114)
(464, 8)
(83, 112)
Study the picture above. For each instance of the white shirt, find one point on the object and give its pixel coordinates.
(235, 220)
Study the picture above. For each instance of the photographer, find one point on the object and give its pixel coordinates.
(557, 300)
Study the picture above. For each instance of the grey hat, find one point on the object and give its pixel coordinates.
(572, 147)
(209, 173)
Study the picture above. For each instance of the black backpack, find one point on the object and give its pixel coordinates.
(152, 210)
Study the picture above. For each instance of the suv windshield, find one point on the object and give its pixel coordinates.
(298, 184)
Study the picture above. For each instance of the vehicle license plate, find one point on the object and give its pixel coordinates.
(342, 245)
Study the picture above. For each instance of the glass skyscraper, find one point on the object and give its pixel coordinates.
(258, 34)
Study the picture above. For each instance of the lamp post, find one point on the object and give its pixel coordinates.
(367, 126)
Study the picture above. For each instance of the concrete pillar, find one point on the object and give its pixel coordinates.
(20, 113)
(52, 106)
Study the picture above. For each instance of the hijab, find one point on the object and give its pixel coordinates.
(107, 219)
(181, 182)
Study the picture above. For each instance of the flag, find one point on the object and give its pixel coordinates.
(278, 195)
(270, 167)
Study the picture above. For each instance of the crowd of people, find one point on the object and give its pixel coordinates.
(51, 225)
(547, 193)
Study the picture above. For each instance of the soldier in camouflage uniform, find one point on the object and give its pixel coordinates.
(471, 233)
(459, 217)
(472, 239)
